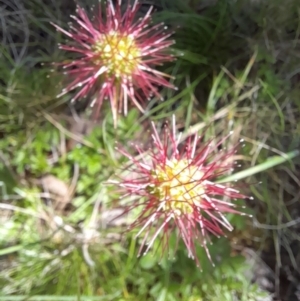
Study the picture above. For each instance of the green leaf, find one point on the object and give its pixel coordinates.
(148, 261)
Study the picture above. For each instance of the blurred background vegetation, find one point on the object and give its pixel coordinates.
(238, 69)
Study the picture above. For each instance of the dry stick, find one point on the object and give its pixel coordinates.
(78, 138)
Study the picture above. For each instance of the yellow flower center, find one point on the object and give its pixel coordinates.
(178, 185)
(119, 53)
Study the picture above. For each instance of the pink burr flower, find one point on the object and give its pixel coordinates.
(117, 56)
(173, 188)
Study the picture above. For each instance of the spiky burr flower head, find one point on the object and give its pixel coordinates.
(174, 187)
(117, 57)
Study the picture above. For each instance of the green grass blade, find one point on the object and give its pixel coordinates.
(269, 163)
